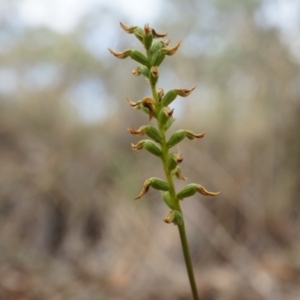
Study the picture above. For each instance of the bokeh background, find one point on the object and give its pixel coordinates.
(69, 228)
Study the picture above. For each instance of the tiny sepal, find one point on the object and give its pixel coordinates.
(122, 54)
(128, 29)
(171, 50)
(135, 105)
(192, 136)
(184, 92)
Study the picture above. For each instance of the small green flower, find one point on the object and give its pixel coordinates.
(149, 130)
(174, 217)
(128, 29)
(192, 189)
(154, 182)
(171, 50)
(149, 146)
(148, 37)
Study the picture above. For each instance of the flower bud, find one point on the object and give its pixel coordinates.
(154, 134)
(148, 37)
(173, 160)
(122, 54)
(139, 57)
(158, 58)
(156, 46)
(128, 29)
(134, 104)
(188, 191)
(169, 50)
(152, 148)
(167, 199)
(153, 77)
(191, 189)
(155, 183)
(176, 138)
(159, 184)
(169, 123)
(164, 115)
(174, 217)
(139, 34)
(168, 98)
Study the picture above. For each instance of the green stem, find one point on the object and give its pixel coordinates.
(175, 202)
(188, 262)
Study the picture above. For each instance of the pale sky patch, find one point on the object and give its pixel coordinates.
(63, 15)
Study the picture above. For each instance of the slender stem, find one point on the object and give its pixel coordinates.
(188, 262)
(175, 202)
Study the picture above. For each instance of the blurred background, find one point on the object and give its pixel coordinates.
(69, 227)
